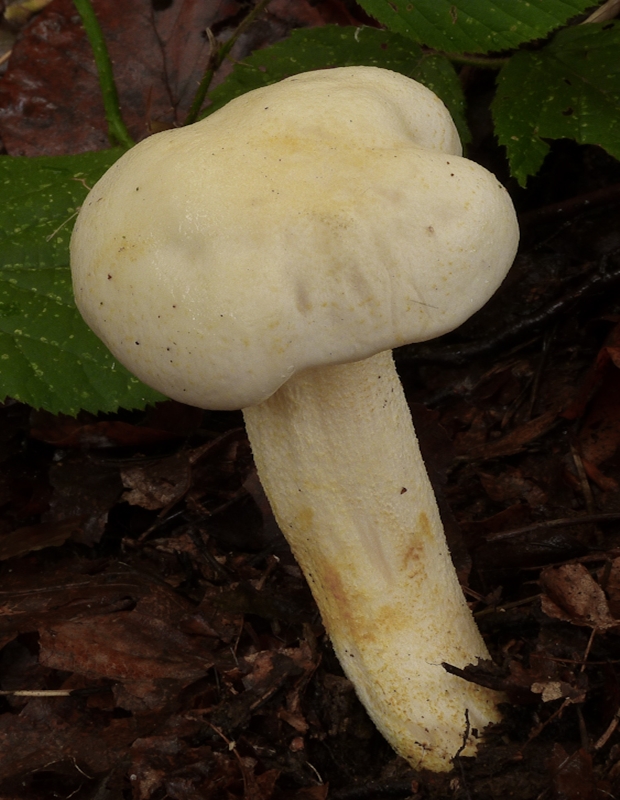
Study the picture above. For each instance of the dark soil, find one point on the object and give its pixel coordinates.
(143, 578)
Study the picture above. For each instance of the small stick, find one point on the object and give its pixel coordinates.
(463, 353)
(564, 522)
(583, 479)
(38, 693)
(608, 10)
(573, 205)
(542, 364)
(84, 692)
(460, 750)
(602, 740)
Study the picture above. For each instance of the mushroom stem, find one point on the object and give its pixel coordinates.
(339, 460)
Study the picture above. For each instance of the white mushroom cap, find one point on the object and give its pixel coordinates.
(319, 220)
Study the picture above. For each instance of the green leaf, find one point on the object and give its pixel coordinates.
(48, 356)
(569, 89)
(474, 26)
(335, 46)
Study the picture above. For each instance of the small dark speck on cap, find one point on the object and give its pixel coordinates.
(403, 490)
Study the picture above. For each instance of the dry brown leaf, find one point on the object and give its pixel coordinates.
(516, 440)
(512, 486)
(85, 432)
(134, 646)
(159, 52)
(596, 375)
(554, 690)
(313, 793)
(612, 587)
(36, 537)
(572, 595)
(50, 730)
(86, 489)
(157, 484)
(165, 764)
(600, 434)
(573, 775)
(260, 787)
(36, 118)
(296, 720)
(604, 482)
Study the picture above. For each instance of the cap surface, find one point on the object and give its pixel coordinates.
(319, 220)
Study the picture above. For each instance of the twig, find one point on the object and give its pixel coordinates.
(604, 738)
(564, 522)
(85, 692)
(486, 62)
(37, 693)
(217, 54)
(317, 773)
(232, 745)
(541, 726)
(573, 205)
(506, 606)
(608, 10)
(117, 131)
(232, 748)
(466, 733)
(376, 789)
(61, 226)
(583, 479)
(586, 654)
(457, 757)
(458, 355)
(540, 368)
(583, 729)
(579, 662)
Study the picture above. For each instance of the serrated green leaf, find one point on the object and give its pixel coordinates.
(570, 89)
(474, 26)
(48, 356)
(335, 46)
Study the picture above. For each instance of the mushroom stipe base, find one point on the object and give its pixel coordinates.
(337, 454)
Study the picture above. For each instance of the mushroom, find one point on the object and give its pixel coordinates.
(269, 258)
